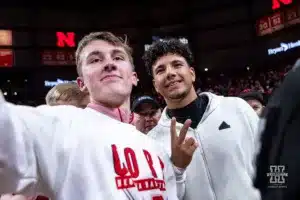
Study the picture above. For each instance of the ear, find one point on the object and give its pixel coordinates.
(135, 79)
(193, 74)
(81, 84)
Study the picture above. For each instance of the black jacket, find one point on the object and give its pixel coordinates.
(280, 142)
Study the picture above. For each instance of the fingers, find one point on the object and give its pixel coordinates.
(183, 131)
(173, 131)
(191, 149)
(190, 145)
(189, 142)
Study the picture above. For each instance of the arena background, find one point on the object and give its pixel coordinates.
(228, 38)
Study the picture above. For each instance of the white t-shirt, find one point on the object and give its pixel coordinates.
(69, 153)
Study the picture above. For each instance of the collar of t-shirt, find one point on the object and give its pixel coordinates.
(119, 114)
(193, 111)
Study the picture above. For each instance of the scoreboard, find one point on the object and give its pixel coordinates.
(27, 48)
(57, 48)
(279, 19)
(58, 57)
(64, 53)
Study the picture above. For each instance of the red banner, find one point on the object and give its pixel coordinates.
(6, 58)
(57, 57)
(278, 21)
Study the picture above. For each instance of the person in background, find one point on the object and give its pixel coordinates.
(225, 127)
(148, 113)
(254, 99)
(67, 94)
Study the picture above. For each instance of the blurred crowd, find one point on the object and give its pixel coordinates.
(263, 81)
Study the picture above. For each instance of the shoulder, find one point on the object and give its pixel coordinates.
(224, 102)
(154, 131)
(232, 103)
(58, 109)
(237, 100)
(240, 107)
(42, 111)
(160, 132)
(237, 103)
(61, 112)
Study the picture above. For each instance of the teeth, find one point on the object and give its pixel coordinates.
(174, 83)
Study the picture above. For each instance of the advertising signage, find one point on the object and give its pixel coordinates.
(49, 83)
(283, 47)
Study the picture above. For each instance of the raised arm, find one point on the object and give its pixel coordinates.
(20, 129)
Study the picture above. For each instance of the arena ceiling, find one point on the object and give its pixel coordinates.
(222, 33)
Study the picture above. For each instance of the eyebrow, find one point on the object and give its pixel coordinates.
(98, 53)
(94, 53)
(159, 66)
(172, 62)
(176, 61)
(116, 51)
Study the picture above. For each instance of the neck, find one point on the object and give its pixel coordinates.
(104, 104)
(180, 103)
(126, 105)
(121, 113)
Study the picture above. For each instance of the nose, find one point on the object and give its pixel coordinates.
(110, 67)
(148, 118)
(170, 72)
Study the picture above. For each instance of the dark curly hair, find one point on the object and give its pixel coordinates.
(163, 47)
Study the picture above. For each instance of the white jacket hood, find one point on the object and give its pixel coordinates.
(213, 103)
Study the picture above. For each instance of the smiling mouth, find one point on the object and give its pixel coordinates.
(172, 84)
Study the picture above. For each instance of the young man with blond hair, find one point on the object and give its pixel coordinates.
(67, 153)
(67, 94)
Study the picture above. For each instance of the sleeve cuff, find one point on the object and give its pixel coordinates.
(179, 174)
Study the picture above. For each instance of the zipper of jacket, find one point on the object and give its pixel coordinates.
(206, 165)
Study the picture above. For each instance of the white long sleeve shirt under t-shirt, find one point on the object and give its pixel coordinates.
(69, 153)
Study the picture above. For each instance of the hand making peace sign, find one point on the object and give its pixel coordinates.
(182, 148)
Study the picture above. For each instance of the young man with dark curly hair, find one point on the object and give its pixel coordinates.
(224, 127)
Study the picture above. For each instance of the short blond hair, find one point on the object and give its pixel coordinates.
(105, 36)
(65, 92)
